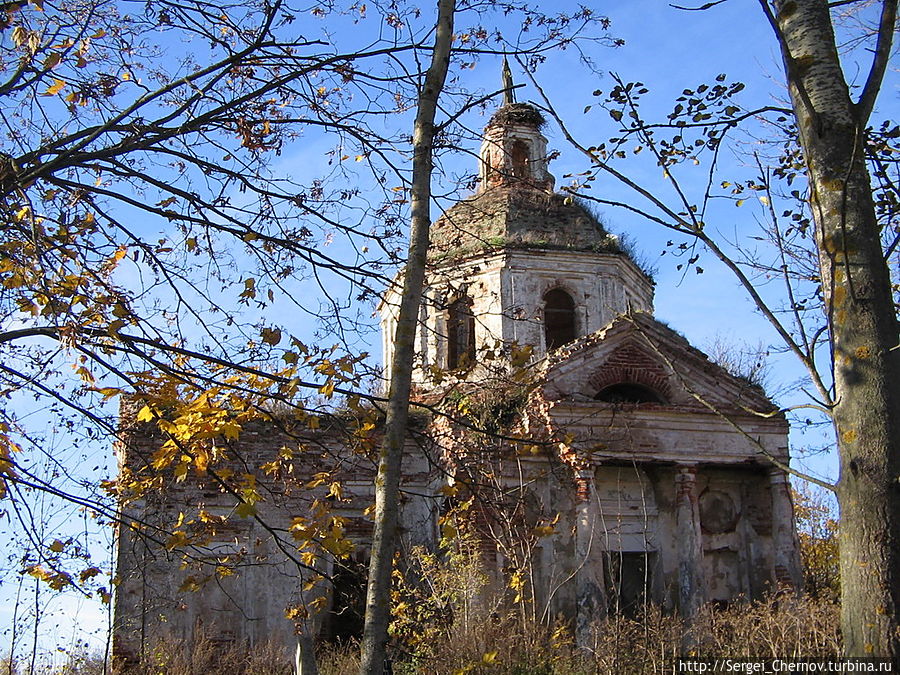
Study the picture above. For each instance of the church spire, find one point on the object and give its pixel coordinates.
(509, 92)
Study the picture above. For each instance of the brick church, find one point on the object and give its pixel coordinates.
(635, 469)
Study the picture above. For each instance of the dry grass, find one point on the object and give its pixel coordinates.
(783, 626)
(206, 657)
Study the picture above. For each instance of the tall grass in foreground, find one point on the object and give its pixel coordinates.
(783, 626)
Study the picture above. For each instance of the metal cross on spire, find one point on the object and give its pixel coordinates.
(509, 92)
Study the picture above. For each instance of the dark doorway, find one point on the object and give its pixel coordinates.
(345, 619)
(628, 581)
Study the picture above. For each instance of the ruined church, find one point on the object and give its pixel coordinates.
(631, 467)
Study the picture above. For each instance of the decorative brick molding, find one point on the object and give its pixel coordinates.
(632, 365)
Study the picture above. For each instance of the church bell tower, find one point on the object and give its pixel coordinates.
(516, 263)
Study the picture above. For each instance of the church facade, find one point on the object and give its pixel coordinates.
(625, 468)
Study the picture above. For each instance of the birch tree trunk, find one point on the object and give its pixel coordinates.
(861, 316)
(387, 482)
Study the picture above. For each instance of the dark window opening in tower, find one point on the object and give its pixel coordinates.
(628, 392)
(460, 334)
(519, 156)
(559, 318)
(490, 171)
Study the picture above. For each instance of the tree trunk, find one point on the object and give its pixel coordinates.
(387, 482)
(862, 321)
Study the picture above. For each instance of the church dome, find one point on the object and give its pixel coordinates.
(517, 215)
(515, 206)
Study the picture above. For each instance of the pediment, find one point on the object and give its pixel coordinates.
(636, 353)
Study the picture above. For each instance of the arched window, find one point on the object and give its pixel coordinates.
(628, 392)
(559, 318)
(460, 334)
(519, 157)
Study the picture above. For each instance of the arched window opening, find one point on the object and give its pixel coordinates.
(460, 334)
(519, 156)
(559, 318)
(628, 392)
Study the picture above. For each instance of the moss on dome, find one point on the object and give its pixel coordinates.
(517, 217)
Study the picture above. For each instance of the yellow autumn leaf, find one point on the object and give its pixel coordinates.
(335, 490)
(55, 88)
(145, 414)
(180, 471)
(19, 36)
(201, 460)
(231, 430)
(189, 585)
(295, 613)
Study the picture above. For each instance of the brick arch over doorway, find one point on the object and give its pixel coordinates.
(631, 364)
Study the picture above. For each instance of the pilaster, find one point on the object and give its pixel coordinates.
(590, 598)
(689, 542)
(785, 560)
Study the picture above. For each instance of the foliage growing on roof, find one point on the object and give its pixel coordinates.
(518, 113)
